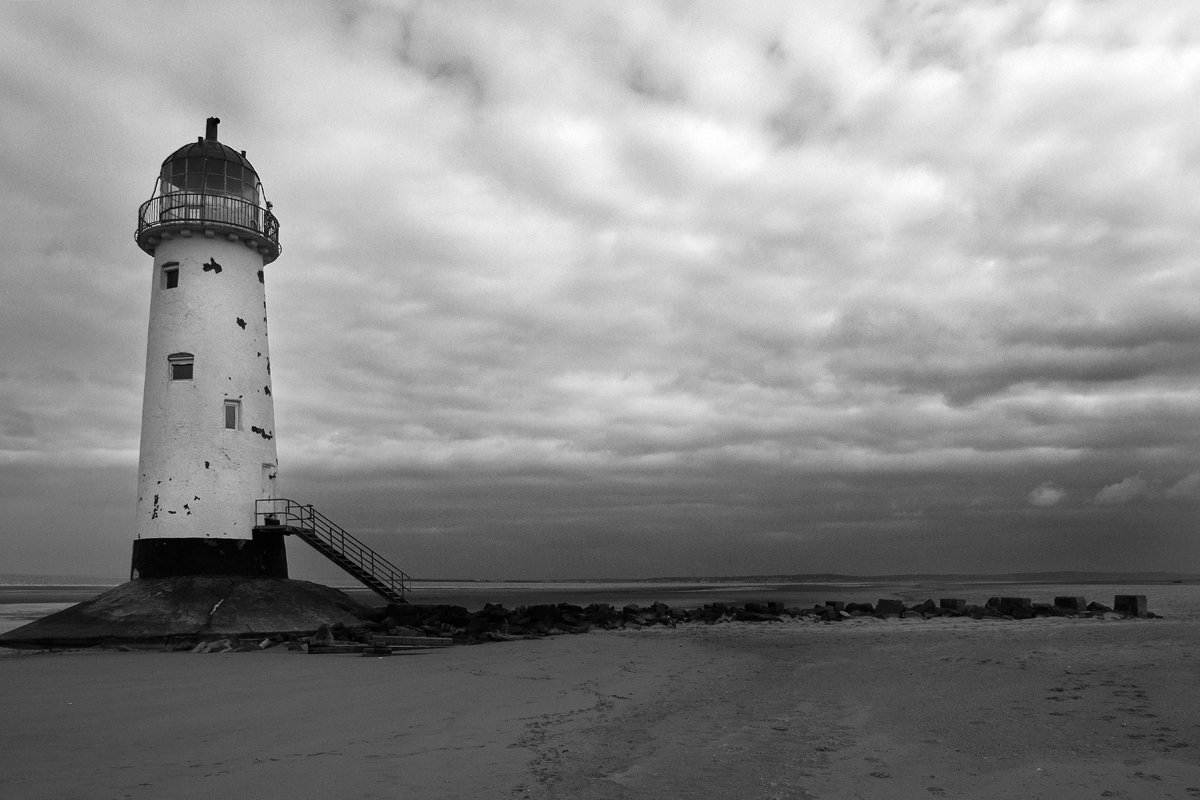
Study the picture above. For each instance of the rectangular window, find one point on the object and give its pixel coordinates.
(233, 415)
(170, 276)
(181, 366)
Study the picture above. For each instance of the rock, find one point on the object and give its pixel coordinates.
(953, 604)
(1016, 607)
(1132, 604)
(454, 616)
(1071, 604)
(887, 606)
(1098, 608)
(493, 611)
(836, 605)
(323, 636)
(597, 612)
(926, 607)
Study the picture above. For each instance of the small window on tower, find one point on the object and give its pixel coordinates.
(170, 275)
(181, 366)
(233, 415)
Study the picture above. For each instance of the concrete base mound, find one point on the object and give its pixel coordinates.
(190, 608)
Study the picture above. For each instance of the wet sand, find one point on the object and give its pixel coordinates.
(868, 708)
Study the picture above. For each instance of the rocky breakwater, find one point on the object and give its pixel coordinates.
(496, 623)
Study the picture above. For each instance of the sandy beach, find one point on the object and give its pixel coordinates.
(868, 708)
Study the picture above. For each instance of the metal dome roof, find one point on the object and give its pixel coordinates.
(207, 146)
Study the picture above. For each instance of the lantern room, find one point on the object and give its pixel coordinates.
(208, 187)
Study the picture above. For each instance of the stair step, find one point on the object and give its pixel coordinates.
(412, 641)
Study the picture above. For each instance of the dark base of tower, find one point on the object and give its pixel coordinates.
(178, 611)
(263, 556)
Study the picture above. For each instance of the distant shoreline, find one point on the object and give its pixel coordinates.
(794, 589)
(50, 594)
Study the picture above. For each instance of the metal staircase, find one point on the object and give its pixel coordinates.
(369, 567)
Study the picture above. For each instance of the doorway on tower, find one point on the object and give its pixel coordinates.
(269, 472)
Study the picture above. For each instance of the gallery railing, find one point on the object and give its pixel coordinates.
(170, 209)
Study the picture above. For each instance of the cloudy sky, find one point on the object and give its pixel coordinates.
(632, 289)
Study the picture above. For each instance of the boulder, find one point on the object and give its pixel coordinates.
(745, 615)
(1071, 604)
(887, 606)
(493, 611)
(480, 624)
(1016, 607)
(323, 636)
(925, 607)
(542, 612)
(1132, 604)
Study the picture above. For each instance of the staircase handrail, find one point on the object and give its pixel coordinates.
(289, 513)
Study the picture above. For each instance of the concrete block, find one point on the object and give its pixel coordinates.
(1132, 604)
(1075, 604)
(888, 606)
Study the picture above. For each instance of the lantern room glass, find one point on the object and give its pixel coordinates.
(210, 176)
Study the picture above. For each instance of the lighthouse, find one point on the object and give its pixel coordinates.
(208, 419)
(208, 557)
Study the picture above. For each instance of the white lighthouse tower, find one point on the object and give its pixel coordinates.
(208, 419)
(209, 558)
